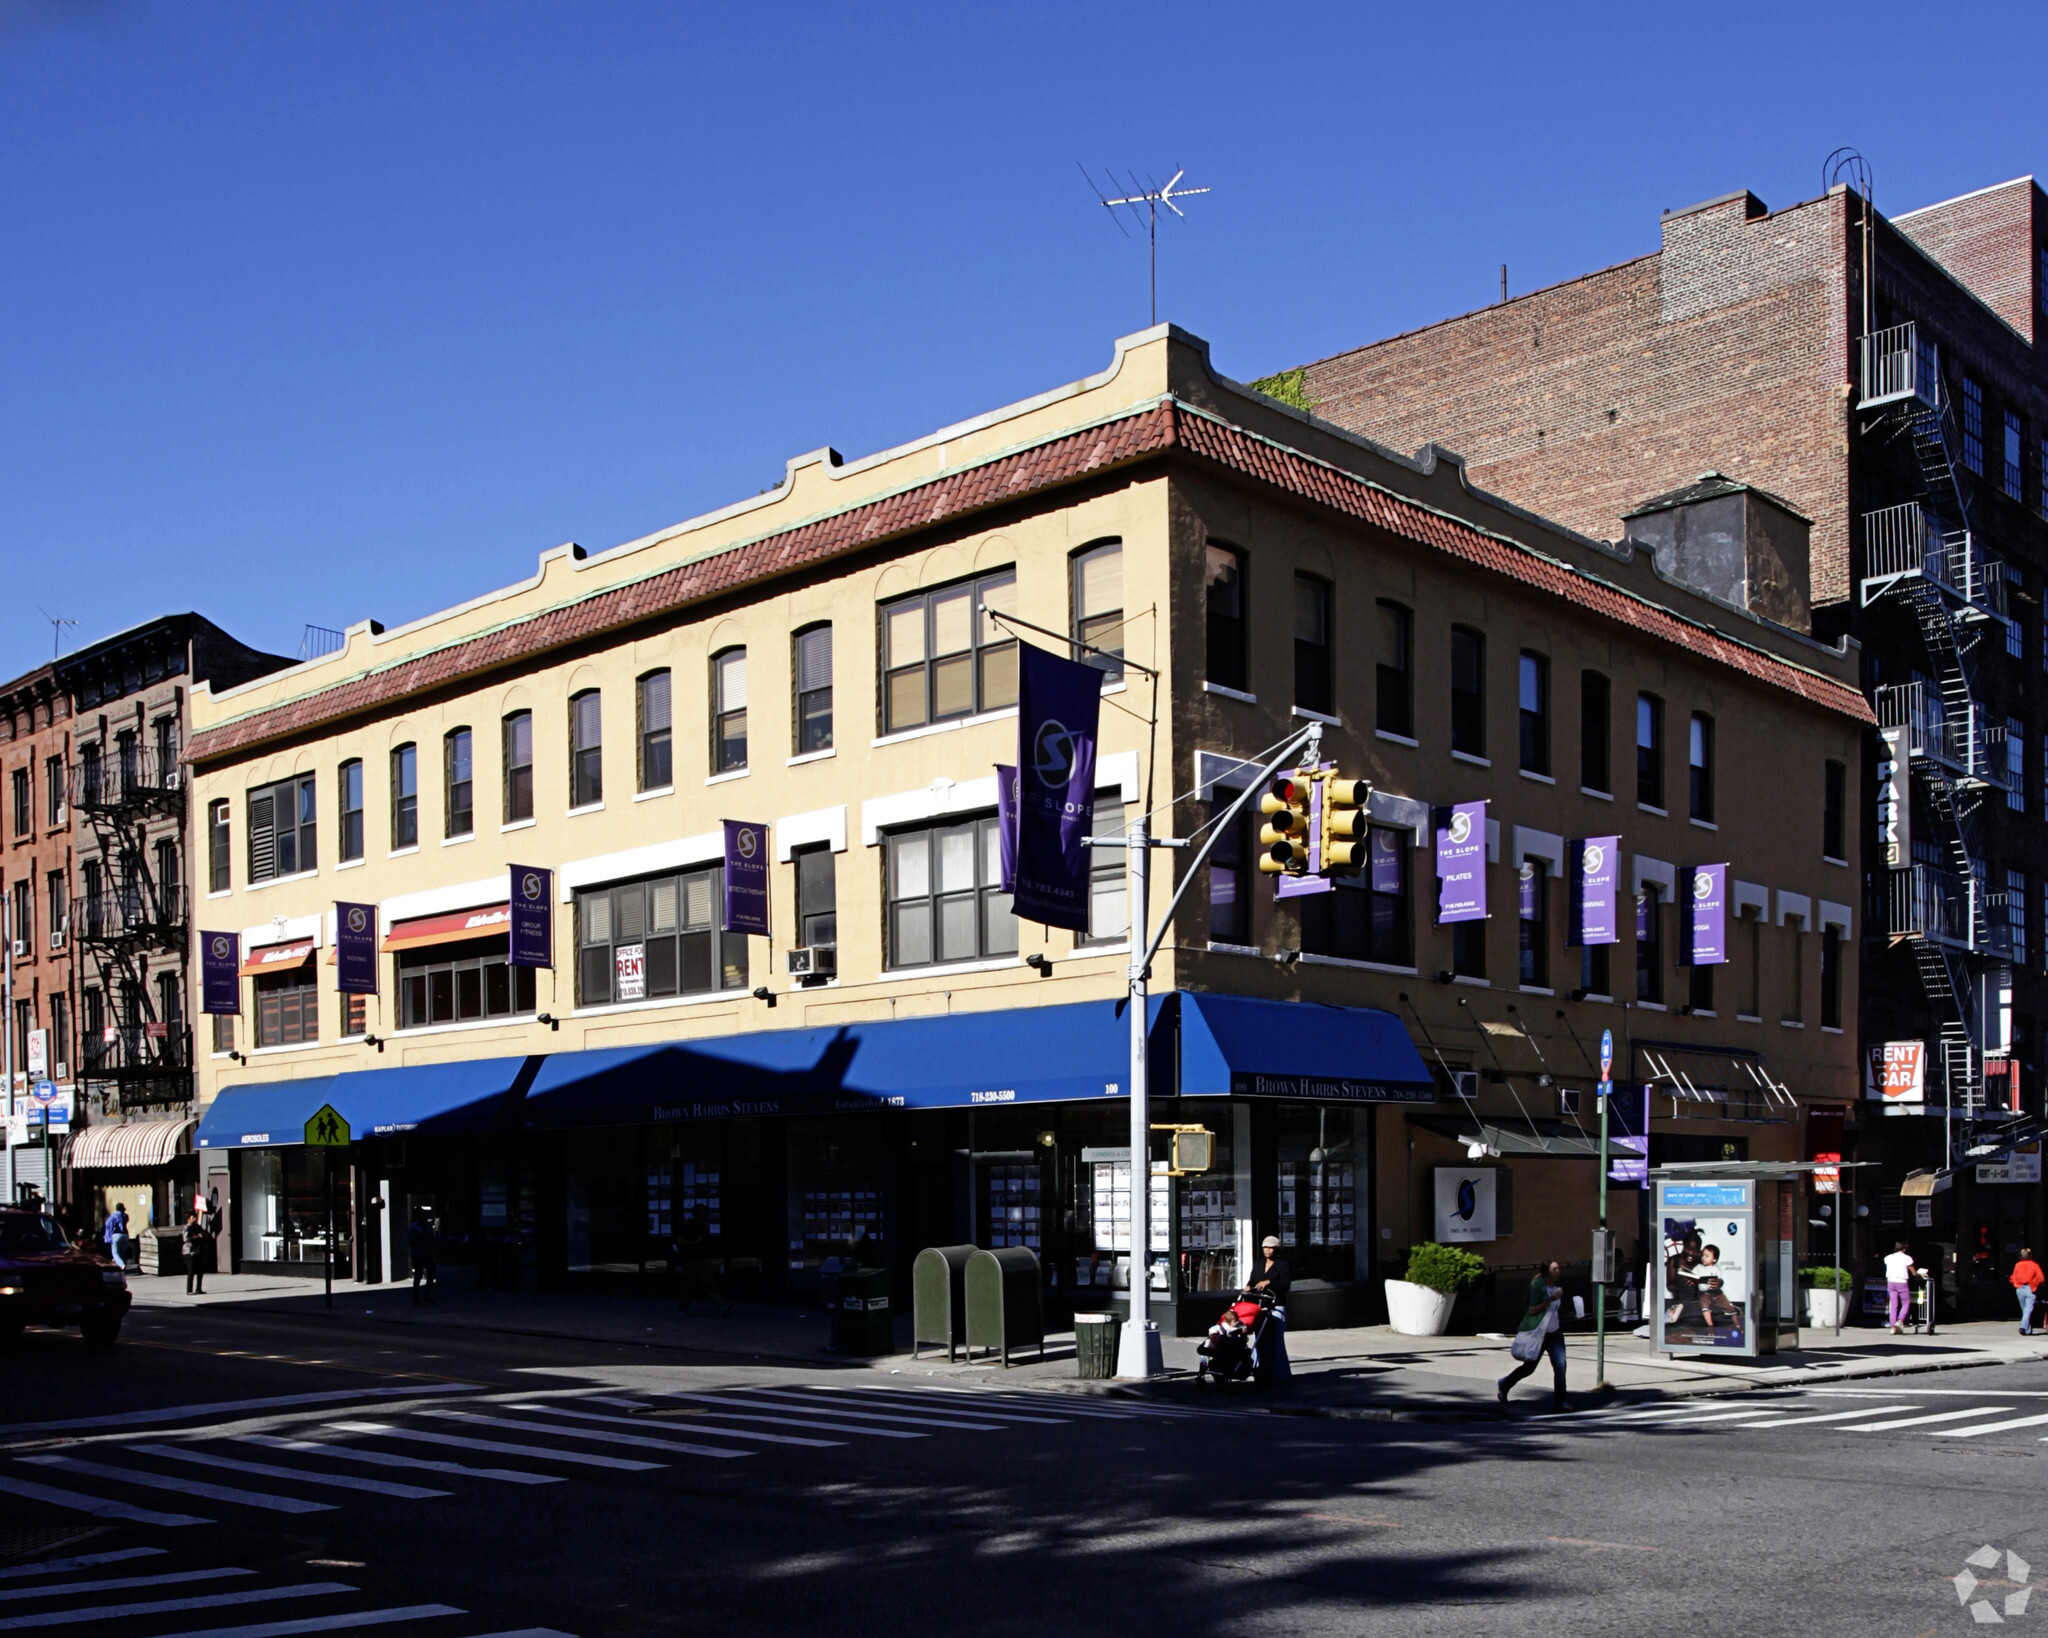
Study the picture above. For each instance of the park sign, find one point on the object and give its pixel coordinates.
(327, 1130)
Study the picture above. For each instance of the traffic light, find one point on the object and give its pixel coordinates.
(1344, 825)
(1283, 839)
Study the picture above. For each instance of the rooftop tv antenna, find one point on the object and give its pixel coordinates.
(57, 624)
(1151, 197)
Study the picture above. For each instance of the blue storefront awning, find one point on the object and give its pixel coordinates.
(467, 1096)
(264, 1115)
(1234, 1045)
(963, 1060)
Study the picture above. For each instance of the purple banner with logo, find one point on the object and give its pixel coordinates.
(1525, 902)
(1461, 862)
(355, 948)
(1703, 905)
(1298, 887)
(1383, 860)
(1595, 866)
(220, 972)
(746, 877)
(533, 916)
(1006, 826)
(1058, 706)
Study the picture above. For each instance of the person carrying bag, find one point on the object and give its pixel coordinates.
(1541, 1332)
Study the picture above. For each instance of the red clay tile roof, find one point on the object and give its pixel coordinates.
(1143, 434)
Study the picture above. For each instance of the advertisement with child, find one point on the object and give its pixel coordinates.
(1706, 1267)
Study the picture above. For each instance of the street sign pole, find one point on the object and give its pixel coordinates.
(1600, 1286)
(327, 1132)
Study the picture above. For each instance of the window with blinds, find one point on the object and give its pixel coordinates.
(1099, 606)
(643, 940)
(729, 711)
(283, 822)
(812, 668)
(657, 771)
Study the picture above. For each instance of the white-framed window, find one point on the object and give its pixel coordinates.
(638, 941)
(946, 901)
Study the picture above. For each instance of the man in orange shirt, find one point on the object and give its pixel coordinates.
(2026, 1284)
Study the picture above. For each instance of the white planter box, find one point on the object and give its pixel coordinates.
(1417, 1311)
(1823, 1308)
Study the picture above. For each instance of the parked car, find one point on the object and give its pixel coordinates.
(46, 1280)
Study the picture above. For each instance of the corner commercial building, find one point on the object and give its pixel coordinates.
(1881, 378)
(831, 659)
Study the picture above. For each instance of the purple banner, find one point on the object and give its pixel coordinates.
(1643, 916)
(1297, 887)
(1058, 706)
(1461, 862)
(1703, 905)
(1595, 864)
(1383, 856)
(533, 916)
(746, 877)
(1525, 881)
(1006, 825)
(355, 948)
(220, 972)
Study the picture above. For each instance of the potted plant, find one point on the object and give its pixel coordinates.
(1825, 1296)
(1420, 1306)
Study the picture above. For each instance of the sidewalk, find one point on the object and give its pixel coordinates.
(1361, 1371)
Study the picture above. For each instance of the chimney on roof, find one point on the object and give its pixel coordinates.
(1732, 541)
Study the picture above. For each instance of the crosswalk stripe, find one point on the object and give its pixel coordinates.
(185, 1487)
(455, 1441)
(384, 1458)
(269, 1470)
(119, 1583)
(85, 1561)
(829, 1398)
(1989, 1427)
(591, 1435)
(1082, 1406)
(185, 1413)
(325, 1623)
(1922, 1421)
(795, 1421)
(98, 1507)
(529, 1632)
(855, 1414)
(165, 1606)
(1829, 1416)
(1748, 1412)
(551, 1409)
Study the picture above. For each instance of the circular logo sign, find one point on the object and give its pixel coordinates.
(1053, 753)
(529, 886)
(1593, 858)
(220, 947)
(1461, 827)
(1468, 1198)
(358, 918)
(747, 843)
(1528, 871)
(1702, 886)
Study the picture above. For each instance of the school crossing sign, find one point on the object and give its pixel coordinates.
(327, 1130)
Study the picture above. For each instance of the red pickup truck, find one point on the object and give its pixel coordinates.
(46, 1280)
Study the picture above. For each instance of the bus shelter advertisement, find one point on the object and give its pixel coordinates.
(1706, 1274)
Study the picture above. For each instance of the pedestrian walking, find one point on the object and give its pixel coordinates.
(197, 1243)
(696, 1266)
(114, 1231)
(1541, 1332)
(2026, 1285)
(419, 1251)
(1898, 1275)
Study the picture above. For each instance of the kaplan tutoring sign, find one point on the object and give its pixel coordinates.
(1595, 868)
(1703, 906)
(1461, 862)
(355, 948)
(746, 877)
(533, 916)
(1059, 705)
(220, 972)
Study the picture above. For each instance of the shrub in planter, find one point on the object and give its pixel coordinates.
(1829, 1279)
(1444, 1268)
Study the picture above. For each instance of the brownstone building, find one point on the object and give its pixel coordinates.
(1879, 380)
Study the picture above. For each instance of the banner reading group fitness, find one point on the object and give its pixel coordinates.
(1059, 706)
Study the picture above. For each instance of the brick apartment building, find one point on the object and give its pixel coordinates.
(1879, 378)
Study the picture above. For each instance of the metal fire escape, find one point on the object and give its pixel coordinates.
(131, 1054)
(1922, 555)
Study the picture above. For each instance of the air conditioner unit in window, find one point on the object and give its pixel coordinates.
(21, 946)
(1569, 1100)
(814, 961)
(1465, 1083)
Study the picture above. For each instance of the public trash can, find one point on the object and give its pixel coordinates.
(1005, 1306)
(861, 1322)
(1096, 1340)
(938, 1298)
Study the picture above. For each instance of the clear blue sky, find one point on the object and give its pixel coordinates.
(318, 312)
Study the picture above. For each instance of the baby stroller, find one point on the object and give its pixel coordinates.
(1231, 1351)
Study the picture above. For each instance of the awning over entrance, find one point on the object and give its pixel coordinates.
(1536, 1136)
(1234, 1045)
(138, 1144)
(268, 1114)
(1693, 1074)
(423, 931)
(467, 1096)
(277, 958)
(963, 1060)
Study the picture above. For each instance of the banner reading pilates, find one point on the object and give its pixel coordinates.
(1704, 907)
(1595, 867)
(533, 916)
(220, 972)
(1059, 705)
(355, 948)
(1461, 862)
(746, 877)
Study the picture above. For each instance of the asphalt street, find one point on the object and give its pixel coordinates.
(252, 1472)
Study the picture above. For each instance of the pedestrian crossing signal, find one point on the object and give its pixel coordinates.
(1283, 838)
(1344, 825)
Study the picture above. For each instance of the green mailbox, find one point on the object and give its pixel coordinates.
(938, 1299)
(1005, 1304)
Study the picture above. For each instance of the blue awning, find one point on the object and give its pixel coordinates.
(964, 1060)
(1234, 1045)
(264, 1115)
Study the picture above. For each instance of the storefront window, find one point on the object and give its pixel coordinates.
(1208, 1223)
(1318, 1169)
(283, 1209)
(1011, 1206)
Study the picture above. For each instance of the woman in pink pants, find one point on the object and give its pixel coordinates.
(1898, 1269)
